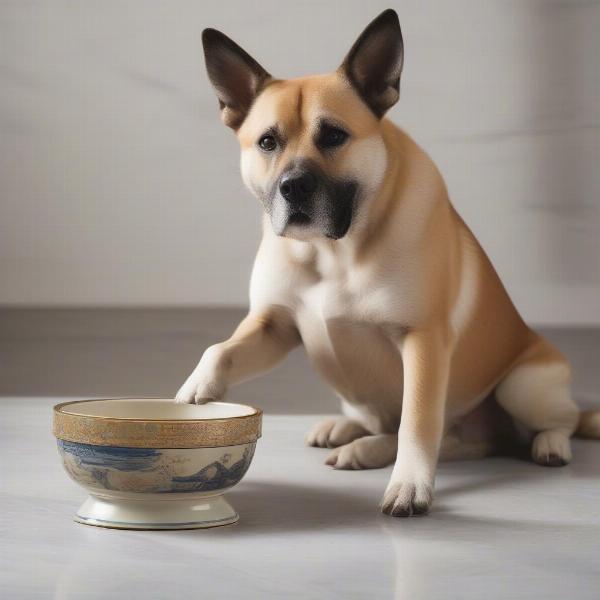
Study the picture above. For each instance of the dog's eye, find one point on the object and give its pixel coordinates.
(331, 137)
(268, 143)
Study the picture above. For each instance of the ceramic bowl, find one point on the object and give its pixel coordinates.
(155, 464)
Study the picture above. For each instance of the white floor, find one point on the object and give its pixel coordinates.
(499, 529)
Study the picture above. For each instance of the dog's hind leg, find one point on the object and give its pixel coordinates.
(378, 451)
(485, 430)
(454, 448)
(536, 393)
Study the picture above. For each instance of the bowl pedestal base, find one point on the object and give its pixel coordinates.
(181, 512)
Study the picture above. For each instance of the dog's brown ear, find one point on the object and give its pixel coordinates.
(374, 63)
(235, 75)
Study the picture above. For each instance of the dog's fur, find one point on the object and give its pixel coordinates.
(367, 264)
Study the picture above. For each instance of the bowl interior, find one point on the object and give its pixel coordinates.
(160, 409)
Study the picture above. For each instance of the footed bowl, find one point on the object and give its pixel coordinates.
(154, 464)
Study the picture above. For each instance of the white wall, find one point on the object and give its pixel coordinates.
(119, 185)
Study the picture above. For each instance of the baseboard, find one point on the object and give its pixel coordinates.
(85, 352)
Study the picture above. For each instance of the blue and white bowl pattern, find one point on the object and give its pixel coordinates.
(155, 471)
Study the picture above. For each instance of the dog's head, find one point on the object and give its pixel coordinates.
(312, 149)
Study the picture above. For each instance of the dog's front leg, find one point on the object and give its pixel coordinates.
(260, 341)
(426, 359)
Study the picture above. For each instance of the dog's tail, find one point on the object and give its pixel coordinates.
(589, 424)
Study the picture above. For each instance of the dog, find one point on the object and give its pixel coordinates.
(365, 262)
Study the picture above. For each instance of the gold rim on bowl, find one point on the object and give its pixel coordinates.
(136, 432)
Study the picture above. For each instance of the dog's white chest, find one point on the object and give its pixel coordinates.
(365, 296)
(348, 342)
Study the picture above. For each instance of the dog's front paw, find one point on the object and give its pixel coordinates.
(189, 395)
(206, 382)
(199, 390)
(407, 498)
(184, 395)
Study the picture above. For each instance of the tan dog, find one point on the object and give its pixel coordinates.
(365, 262)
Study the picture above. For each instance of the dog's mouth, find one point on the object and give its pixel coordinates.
(299, 218)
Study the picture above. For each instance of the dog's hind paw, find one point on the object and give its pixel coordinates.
(335, 432)
(551, 449)
(369, 452)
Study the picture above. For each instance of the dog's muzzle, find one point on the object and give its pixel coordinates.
(307, 202)
(298, 188)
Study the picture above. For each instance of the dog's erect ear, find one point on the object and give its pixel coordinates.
(374, 63)
(235, 75)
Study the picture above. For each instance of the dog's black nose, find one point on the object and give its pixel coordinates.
(298, 187)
